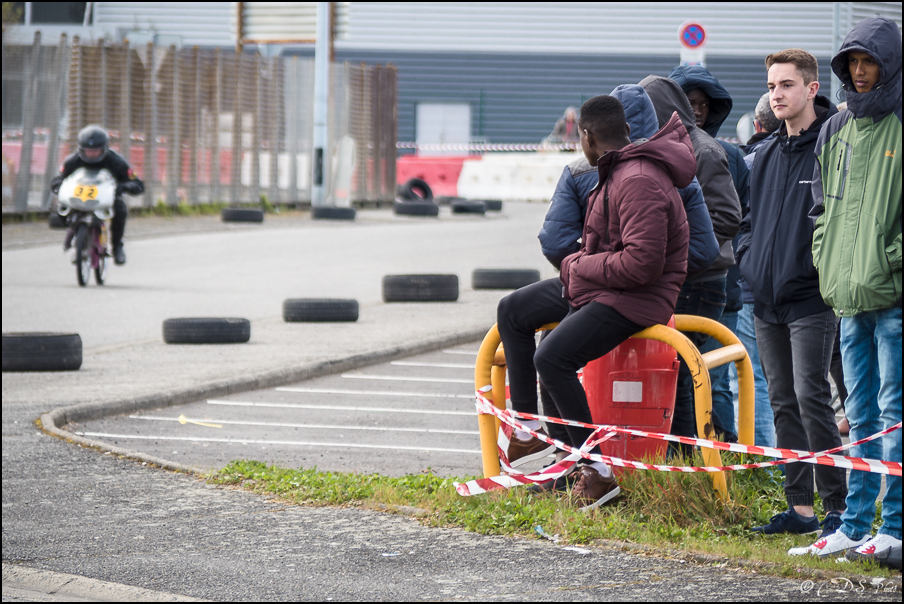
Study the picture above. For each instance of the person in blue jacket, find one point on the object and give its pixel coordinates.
(711, 104)
(520, 313)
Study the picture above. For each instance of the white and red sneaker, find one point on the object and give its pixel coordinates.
(836, 543)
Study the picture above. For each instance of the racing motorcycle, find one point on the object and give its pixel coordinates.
(85, 202)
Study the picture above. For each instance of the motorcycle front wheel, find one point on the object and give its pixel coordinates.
(100, 271)
(82, 255)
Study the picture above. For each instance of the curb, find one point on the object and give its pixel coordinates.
(52, 421)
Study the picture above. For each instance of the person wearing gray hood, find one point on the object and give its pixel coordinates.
(703, 294)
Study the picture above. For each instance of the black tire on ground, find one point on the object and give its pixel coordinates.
(493, 205)
(416, 189)
(420, 288)
(42, 351)
(206, 331)
(55, 221)
(415, 208)
(242, 215)
(468, 207)
(446, 200)
(317, 310)
(333, 213)
(503, 278)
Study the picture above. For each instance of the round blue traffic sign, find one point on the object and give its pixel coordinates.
(692, 35)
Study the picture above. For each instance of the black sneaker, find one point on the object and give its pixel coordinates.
(788, 522)
(119, 255)
(830, 524)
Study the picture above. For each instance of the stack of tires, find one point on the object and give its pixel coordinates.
(415, 198)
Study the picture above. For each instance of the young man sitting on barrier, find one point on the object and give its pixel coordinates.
(522, 312)
(628, 271)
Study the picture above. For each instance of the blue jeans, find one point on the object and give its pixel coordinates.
(703, 299)
(723, 400)
(871, 353)
(763, 426)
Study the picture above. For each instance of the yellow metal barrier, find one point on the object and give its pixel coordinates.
(489, 370)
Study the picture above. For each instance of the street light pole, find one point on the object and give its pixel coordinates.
(321, 96)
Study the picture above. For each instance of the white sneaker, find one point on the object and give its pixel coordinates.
(836, 543)
(883, 549)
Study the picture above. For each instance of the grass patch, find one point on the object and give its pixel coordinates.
(666, 511)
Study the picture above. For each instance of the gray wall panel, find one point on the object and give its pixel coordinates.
(516, 98)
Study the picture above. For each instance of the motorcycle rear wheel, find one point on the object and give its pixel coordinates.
(82, 255)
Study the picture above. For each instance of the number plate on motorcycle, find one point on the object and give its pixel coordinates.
(85, 193)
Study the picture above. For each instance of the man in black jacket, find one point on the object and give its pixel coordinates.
(94, 152)
(702, 294)
(795, 329)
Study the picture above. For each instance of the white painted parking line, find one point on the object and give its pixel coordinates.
(235, 441)
(473, 354)
(399, 378)
(444, 365)
(337, 408)
(373, 392)
(312, 426)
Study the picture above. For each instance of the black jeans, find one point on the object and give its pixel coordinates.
(518, 316)
(584, 335)
(795, 358)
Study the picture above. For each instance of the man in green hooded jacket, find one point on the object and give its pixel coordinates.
(857, 252)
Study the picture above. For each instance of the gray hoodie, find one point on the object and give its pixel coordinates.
(712, 170)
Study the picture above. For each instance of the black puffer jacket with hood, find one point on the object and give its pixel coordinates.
(712, 170)
(695, 77)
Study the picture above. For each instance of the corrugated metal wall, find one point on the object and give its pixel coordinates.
(639, 28)
(198, 24)
(517, 98)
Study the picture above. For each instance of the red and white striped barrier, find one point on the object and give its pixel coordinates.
(604, 432)
(490, 147)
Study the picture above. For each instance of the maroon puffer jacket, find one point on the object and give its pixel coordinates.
(634, 252)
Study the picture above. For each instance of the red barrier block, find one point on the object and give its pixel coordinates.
(441, 173)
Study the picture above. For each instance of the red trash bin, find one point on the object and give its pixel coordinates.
(634, 387)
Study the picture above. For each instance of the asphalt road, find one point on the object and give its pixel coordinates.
(79, 522)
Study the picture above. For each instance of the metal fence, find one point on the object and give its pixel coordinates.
(196, 125)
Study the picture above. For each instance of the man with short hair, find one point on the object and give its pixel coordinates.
(795, 329)
(857, 251)
(764, 124)
(628, 271)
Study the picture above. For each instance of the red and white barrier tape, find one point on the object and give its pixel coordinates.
(514, 478)
(489, 147)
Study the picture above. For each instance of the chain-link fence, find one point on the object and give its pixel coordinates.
(196, 125)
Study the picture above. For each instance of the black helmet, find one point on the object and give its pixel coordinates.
(93, 137)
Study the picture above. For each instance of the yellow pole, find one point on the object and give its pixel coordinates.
(489, 371)
(703, 398)
(724, 336)
(487, 423)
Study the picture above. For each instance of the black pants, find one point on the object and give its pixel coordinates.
(796, 358)
(584, 335)
(518, 316)
(118, 224)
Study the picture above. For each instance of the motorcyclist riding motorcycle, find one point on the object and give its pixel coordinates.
(94, 152)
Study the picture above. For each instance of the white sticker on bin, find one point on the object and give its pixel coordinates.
(627, 392)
